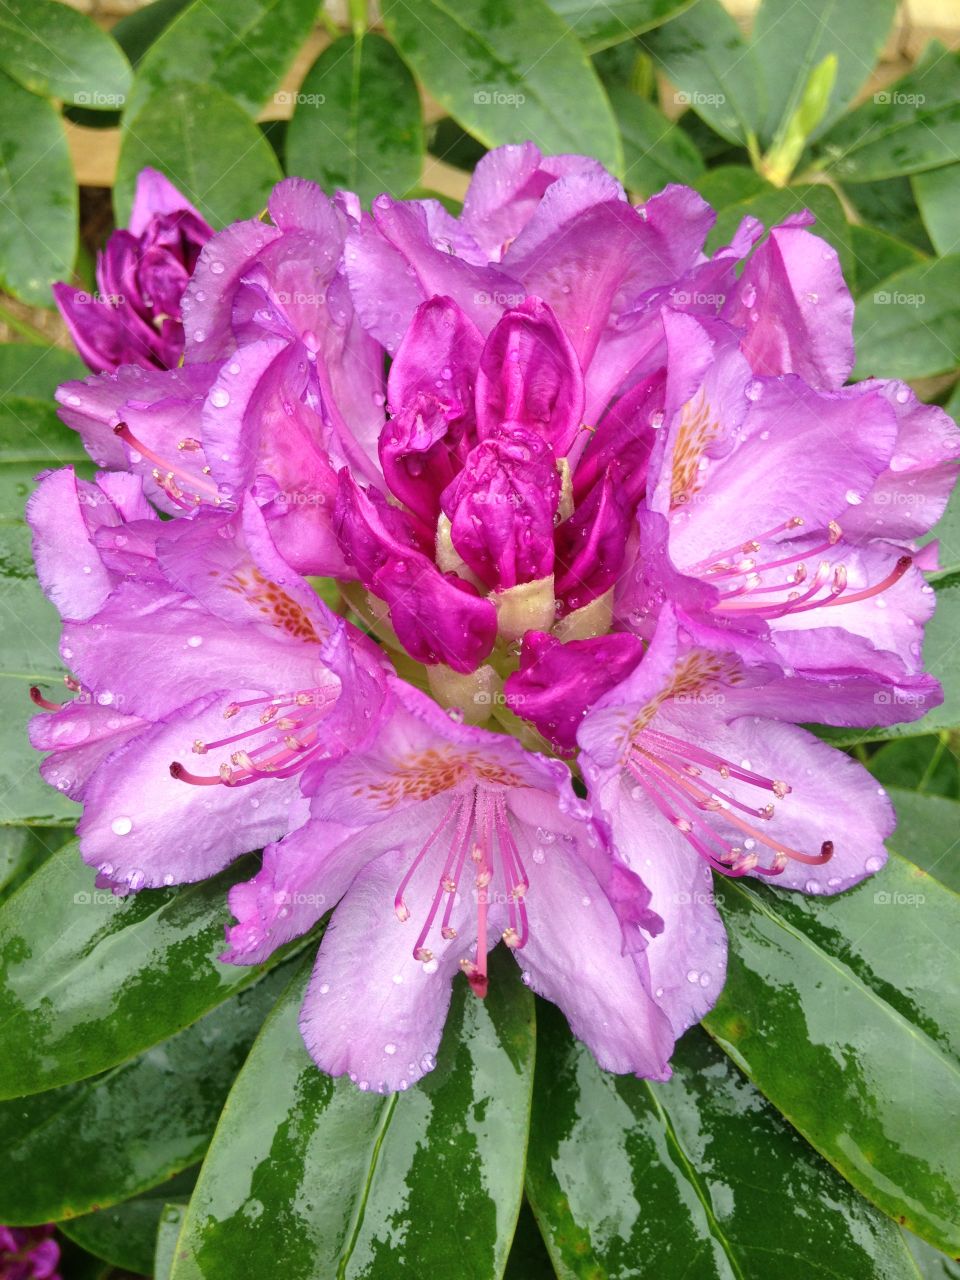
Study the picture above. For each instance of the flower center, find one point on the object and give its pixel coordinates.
(671, 772)
(475, 826)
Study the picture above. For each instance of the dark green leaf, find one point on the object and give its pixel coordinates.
(136, 32)
(928, 827)
(629, 1178)
(879, 255)
(730, 184)
(601, 24)
(791, 39)
(937, 193)
(655, 151)
(909, 326)
(705, 55)
(310, 1177)
(24, 849)
(907, 127)
(56, 52)
(357, 122)
(38, 196)
(205, 144)
(100, 1141)
(516, 73)
(889, 206)
(845, 1012)
(88, 980)
(453, 145)
(917, 764)
(242, 47)
(126, 1234)
(528, 1258)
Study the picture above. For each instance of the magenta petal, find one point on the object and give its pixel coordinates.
(437, 617)
(529, 375)
(502, 507)
(591, 544)
(155, 194)
(795, 310)
(558, 683)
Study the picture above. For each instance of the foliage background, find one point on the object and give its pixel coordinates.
(810, 1129)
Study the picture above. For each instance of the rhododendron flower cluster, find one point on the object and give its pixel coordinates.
(605, 527)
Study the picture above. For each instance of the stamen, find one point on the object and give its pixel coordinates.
(37, 697)
(169, 475)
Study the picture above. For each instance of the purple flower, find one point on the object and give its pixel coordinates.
(198, 657)
(135, 316)
(611, 510)
(439, 840)
(29, 1253)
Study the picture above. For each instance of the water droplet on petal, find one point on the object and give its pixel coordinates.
(195, 642)
(873, 864)
(219, 397)
(693, 976)
(390, 1048)
(216, 267)
(853, 497)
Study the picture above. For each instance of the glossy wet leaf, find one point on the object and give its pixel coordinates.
(937, 193)
(909, 325)
(924, 764)
(906, 127)
(357, 122)
(878, 255)
(102, 1140)
(38, 196)
(126, 1234)
(88, 980)
(713, 66)
(32, 439)
(931, 1263)
(168, 1233)
(242, 47)
(518, 73)
(696, 1177)
(655, 151)
(599, 25)
(790, 40)
(24, 849)
(845, 1012)
(207, 145)
(928, 830)
(54, 51)
(308, 1176)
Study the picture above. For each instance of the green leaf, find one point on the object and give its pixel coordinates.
(136, 32)
(357, 121)
(937, 193)
(909, 326)
(89, 980)
(24, 849)
(907, 127)
(58, 53)
(655, 151)
(126, 1234)
(929, 828)
(308, 1176)
(242, 47)
(100, 1141)
(168, 1233)
(38, 196)
(32, 438)
(931, 1263)
(889, 206)
(516, 73)
(845, 1012)
(917, 764)
(705, 55)
(879, 255)
(790, 40)
(205, 144)
(599, 25)
(629, 1178)
(528, 1258)
(730, 184)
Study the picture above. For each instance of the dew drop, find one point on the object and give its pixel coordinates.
(324, 988)
(390, 1048)
(902, 396)
(199, 335)
(812, 886)
(428, 1062)
(656, 420)
(431, 966)
(195, 642)
(873, 864)
(525, 978)
(538, 856)
(754, 390)
(121, 826)
(219, 397)
(853, 497)
(398, 978)
(693, 976)
(704, 979)
(216, 267)
(136, 878)
(659, 992)
(168, 879)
